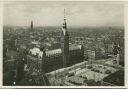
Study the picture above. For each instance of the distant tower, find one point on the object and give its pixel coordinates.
(32, 31)
(31, 25)
(65, 43)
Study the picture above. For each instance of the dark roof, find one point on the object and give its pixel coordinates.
(116, 78)
(34, 79)
(12, 53)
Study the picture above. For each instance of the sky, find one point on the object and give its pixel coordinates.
(52, 13)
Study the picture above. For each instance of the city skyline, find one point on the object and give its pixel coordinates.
(58, 44)
(78, 14)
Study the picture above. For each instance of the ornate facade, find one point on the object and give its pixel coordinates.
(46, 61)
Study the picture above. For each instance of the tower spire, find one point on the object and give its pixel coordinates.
(64, 24)
(31, 24)
(64, 14)
(65, 43)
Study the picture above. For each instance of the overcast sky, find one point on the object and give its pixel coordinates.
(51, 13)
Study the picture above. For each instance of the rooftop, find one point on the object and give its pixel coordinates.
(36, 50)
(116, 78)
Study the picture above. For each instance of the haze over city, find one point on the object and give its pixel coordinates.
(51, 14)
(63, 44)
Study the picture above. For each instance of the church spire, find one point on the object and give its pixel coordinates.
(64, 24)
(64, 15)
(31, 24)
(65, 43)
